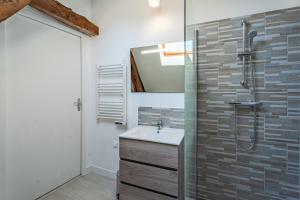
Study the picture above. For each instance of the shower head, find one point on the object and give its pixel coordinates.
(252, 34)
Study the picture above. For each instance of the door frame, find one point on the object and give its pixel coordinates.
(85, 47)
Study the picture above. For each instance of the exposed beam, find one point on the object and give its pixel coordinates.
(65, 15)
(10, 7)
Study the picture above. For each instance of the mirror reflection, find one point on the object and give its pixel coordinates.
(158, 68)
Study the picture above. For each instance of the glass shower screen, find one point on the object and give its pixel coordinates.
(242, 100)
(190, 189)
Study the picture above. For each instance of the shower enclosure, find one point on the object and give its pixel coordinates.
(242, 114)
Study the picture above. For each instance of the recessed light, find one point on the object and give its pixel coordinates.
(154, 3)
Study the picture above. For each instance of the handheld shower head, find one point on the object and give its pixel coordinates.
(252, 34)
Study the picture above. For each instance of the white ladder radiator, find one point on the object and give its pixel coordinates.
(112, 93)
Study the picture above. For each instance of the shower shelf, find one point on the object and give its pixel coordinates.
(246, 104)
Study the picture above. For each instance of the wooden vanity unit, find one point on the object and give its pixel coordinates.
(151, 170)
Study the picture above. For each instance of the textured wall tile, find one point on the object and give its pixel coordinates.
(294, 48)
(293, 158)
(282, 183)
(294, 102)
(271, 170)
(171, 117)
(282, 76)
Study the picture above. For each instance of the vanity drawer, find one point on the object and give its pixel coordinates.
(149, 152)
(128, 192)
(152, 178)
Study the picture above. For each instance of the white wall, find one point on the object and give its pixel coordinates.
(199, 11)
(2, 111)
(126, 24)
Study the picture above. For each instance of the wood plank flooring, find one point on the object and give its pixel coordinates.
(89, 187)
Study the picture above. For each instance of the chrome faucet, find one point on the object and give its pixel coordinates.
(159, 125)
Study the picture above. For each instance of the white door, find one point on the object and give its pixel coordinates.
(44, 126)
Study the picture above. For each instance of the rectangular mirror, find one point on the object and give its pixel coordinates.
(158, 68)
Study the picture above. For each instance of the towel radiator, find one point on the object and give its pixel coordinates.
(112, 93)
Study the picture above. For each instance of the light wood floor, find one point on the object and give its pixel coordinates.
(89, 187)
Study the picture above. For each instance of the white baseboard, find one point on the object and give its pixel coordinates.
(103, 172)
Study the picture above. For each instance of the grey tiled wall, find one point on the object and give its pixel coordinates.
(271, 170)
(171, 117)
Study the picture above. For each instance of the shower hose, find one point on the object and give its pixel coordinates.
(253, 136)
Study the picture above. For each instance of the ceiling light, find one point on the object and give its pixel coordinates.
(154, 3)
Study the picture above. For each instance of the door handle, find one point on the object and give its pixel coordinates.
(78, 104)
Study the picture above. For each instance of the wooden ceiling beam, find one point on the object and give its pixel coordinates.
(52, 8)
(137, 84)
(65, 15)
(11, 7)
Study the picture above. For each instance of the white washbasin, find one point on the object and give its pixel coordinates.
(170, 136)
